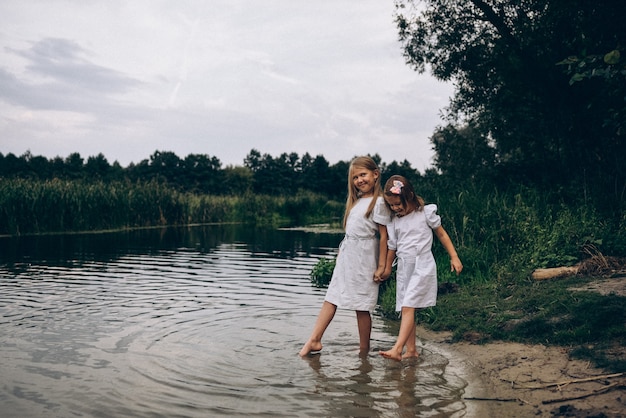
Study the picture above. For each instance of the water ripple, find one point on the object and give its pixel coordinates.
(195, 333)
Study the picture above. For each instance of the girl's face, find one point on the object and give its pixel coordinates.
(395, 203)
(364, 180)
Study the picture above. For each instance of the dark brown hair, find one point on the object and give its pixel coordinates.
(403, 188)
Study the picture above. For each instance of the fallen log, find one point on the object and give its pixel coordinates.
(555, 272)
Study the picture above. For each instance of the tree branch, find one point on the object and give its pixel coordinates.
(498, 22)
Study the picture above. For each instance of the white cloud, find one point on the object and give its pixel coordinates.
(218, 78)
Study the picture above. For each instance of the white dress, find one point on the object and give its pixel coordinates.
(352, 285)
(411, 236)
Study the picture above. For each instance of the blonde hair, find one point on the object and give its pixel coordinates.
(407, 194)
(353, 193)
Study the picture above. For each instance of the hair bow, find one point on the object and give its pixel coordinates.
(397, 187)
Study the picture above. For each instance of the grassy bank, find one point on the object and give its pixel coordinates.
(556, 312)
(549, 312)
(501, 239)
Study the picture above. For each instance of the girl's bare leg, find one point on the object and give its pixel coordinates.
(364, 322)
(327, 313)
(411, 349)
(407, 326)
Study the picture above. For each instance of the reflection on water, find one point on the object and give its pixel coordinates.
(192, 322)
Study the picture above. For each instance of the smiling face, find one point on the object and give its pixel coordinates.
(395, 203)
(364, 180)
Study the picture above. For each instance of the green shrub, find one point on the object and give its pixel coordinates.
(322, 272)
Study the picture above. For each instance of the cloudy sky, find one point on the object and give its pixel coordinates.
(218, 77)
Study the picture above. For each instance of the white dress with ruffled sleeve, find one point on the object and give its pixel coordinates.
(411, 236)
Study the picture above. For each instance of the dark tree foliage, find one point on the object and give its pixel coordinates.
(316, 174)
(202, 174)
(98, 167)
(74, 166)
(166, 166)
(541, 82)
(288, 174)
(404, 169)
(11, 165)
(338, 180)
(463, 155)
(236, 181)
(272, 176)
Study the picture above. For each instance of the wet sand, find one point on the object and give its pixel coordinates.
(518, 380)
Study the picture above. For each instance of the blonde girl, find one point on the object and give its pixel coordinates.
(410, 240)
(360, 265)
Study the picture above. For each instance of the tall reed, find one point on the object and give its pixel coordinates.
(34, 207)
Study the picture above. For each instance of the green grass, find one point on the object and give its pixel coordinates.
(545, 312)
(542, 312)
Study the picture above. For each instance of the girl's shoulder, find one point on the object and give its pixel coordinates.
(381, 213)
(430, 208)
(432, 218)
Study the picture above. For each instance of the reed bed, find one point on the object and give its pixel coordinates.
(38, 207)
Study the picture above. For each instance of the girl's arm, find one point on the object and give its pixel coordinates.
(444, 238)
(379, 274)
(391, 255)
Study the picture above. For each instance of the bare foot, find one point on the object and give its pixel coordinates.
(392, 354)
(309, 347)
(411, 354)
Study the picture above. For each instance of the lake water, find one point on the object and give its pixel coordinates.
(195, 322)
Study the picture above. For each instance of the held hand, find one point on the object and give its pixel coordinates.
(384, 275)
(456, 265)
(379, 275)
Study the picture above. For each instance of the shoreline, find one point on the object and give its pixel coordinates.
(516, 380)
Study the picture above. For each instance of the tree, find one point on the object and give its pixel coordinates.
(237, 181)
(97, 167)
(316, 175)
(338, 180)
(253, 160)
(462, 154)
(58, 167)
(404, 169)
(202, 173)
(501, 57)
(12, 166)
(74, 166)
(276, 176)
(35, 166)
(166, 165)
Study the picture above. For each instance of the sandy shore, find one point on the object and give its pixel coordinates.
(517, 381)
